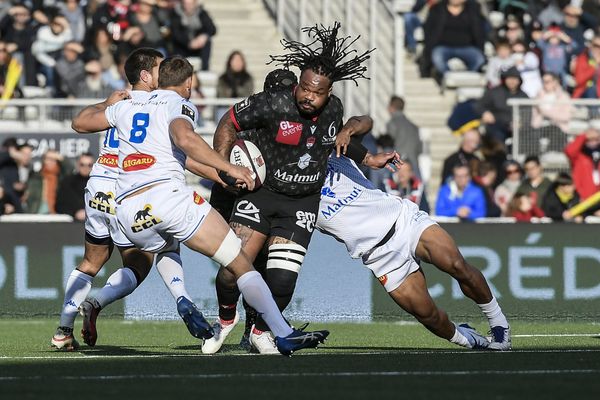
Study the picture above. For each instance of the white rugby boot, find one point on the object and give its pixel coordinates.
(500, 339)
(214, 344)
(263, 342)
(63, 339)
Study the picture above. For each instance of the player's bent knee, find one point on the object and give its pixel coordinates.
(282, 282)
(286, 256)
(228, 250)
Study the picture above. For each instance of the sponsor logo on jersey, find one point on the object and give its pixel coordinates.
(109, 160)
(306, 220)
(101, 202)
(188, 112)
(310, 142)
(138, 161)
(333, 209)
(304, 161)
(383, 279)
(296, 178)
(329, 138)
(242, 105)
(144, 220)
(247, 210)
(198, 199)
(326, 191)
(289, 133)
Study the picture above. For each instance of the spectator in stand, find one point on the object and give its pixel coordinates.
(104, 50)
(528, 65)
(73, 12)
(70, 71)
(501, 62)
(559, 198)
(464, 156)
(111, 15)
(573, 27)
(550, 117)
(494, 152)
(555, 46)
(587, 71)
(485, 179)
(454, 28)
(535, 185)
(495, 112)
(42, 185)
(506, 190)
(192, 30)
(584, 156)
(234, 82)
(71, 189)
(93, 86)
(551, 14)
(6, 71)
(404, 133)
(405, 184)
(461, 197)
(14, 170)
(18, 31)
(523, 208)
(153, 30)
(513, 31)
(48, 46)
(591, 11)
(412, 21)
(6, 206)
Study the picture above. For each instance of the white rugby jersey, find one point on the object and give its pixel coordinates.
(106, 166)
(352, 210)
(147, 154)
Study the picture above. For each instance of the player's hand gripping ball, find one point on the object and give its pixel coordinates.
(245, 153)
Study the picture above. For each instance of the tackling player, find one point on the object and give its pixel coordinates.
(296, 131)
(101, 231)
(156, 134)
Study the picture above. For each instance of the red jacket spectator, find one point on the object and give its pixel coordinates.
(584, 155)
(585, 70)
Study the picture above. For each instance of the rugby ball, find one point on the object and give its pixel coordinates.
(246, 154)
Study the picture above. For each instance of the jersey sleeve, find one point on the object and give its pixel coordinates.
(252, 112)
(111, 114)
(183, 109)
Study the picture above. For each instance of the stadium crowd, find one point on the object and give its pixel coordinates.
(543, 49)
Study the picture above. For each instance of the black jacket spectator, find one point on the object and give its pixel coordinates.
(187, 25)
(71, 189)
(436, 32)
(560, 197)
(19, 32)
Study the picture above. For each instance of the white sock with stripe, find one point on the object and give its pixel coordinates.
(120, 284)
(77, 288)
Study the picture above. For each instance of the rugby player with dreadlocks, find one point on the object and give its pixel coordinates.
(296, 131)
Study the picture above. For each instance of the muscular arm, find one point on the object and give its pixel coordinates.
(202, 170)
(358, 125)
(93, 118)
(225, 135)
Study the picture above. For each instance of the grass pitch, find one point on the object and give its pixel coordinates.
(150, 360)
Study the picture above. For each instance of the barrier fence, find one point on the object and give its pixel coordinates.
(537, 271)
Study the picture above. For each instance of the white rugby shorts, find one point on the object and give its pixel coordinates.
(395, 260)
(100, 218)
(162, 216)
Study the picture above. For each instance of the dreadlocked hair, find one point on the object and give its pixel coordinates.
(324, 55)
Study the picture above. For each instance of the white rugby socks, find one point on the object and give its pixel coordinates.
(170, 269)
(121, 283)
(494, 314)
(257, 294)
(77, 288)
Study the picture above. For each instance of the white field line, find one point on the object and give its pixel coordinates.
(557, 335)
(306, 374)
(79, 356)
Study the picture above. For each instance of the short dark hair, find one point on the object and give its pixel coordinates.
(139, 60)
(563, 179)
(485, 167)
(397, 103)
(532, 158)
(174, 71)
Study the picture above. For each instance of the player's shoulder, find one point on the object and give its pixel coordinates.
(336, 103)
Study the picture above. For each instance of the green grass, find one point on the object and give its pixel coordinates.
(160, 360)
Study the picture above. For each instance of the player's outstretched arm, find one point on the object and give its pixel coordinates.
(203, 171)
(356, 125)
(198, 150)
(225, 135)
(92, 118)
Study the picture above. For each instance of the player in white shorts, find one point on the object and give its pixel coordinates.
(391, 235)
(156, 210)
(102, 233)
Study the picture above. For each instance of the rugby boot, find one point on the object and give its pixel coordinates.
(221, 331)
(476, 340)
(194, 320)
(89, 310)
(500, 339)
(298, 340)
(63, 339)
